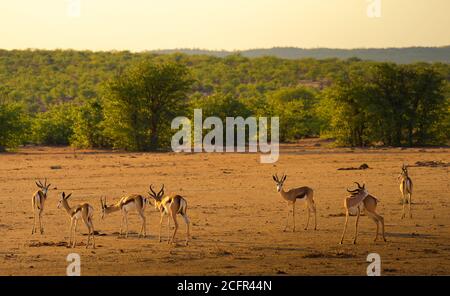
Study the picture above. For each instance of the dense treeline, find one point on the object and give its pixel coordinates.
(405, 55)
(127, 100)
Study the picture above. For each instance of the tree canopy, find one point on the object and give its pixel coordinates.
(127, 100)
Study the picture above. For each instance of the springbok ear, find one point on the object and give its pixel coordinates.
(275, 179)
(284, 178)
(67, 197)
(63, 195)
(37, 184)
(364, 186)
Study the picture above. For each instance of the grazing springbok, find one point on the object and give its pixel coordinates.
(358, 200)
(126, 204)
(82, 211)
(38, 202)
(406, 187)
(291, 196)
(170, 205)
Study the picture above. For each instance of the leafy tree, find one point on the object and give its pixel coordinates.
(223, 106)
(344, 108)
(88, 127)
(55, 126)
(220, 105)
(296, 108)
(13, 125)
(427, 106)
(391, 104)
(140, 103)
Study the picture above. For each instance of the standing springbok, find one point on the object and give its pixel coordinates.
(358, 200)
(38, 202)
(291, 196)
(406, 187)
(170, 205)
(82, 211)
(125, 205)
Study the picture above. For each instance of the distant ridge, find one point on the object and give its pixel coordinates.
(404, 55)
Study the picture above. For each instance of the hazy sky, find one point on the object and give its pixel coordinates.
(221, 24)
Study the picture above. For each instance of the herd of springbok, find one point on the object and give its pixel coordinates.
(172, 205)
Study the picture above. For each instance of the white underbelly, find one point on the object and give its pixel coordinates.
(354, 210)
(129, 206)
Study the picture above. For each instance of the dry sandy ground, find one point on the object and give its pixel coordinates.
(236, 213)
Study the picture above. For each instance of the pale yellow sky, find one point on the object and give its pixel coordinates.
(221, 24)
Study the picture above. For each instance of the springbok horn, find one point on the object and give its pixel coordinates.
(352, 191)
(359, 186)
(162, 189)
(151, 189)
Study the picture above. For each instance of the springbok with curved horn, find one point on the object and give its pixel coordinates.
(125, 205)
(358, 200)
(406, 187)
(38, 202)
(291, 196)
(170, 205)
(82, 211)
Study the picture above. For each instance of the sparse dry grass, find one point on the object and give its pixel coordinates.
(237, 216)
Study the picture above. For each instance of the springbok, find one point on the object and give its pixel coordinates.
(291, 196)
(38, 202)
(406, 187)
(358, 200)
(82, 211)
(125, 205)
(170, 205)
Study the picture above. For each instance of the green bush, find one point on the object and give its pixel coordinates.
(55, 126)
(296, 108)
(13, 125)
(88, 127)
(140, 103)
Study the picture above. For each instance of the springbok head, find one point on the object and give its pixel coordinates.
(280, 182)
(44, 187)
(63, 199)
(359, 190)
(404, 170)
(157, 197)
